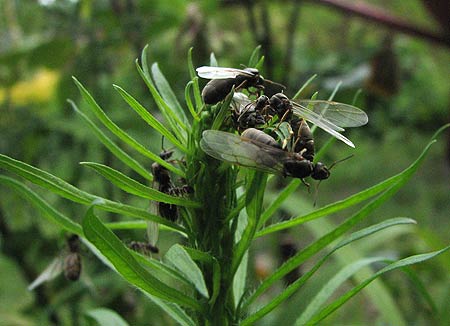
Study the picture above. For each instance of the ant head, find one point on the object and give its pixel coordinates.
(320, 172)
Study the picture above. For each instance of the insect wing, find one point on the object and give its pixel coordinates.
(208, 72)
(340, 114)
(240, 102)
(49, 273)
(232, 148)
(320, 122)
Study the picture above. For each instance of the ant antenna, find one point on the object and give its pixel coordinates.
(316, 191)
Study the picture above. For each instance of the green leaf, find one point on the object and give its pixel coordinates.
(194, 79)
(395, 265)
(122, 135)
(309, 81)
(133, 187)
(254, 200)
(169, 96)
(112, 147)
(173, 121)
(254, 58)
(173, 310)
(66, 190)
(354, 199)
(127, 266)
(275, 302)
(315, 247)
(332, 285)
(45, 208)
(224, 111)
(278, 201)
(181, 260)
(104, 316)
(150, 119)
(188, 99)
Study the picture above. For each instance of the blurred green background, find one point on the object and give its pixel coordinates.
(405, 84)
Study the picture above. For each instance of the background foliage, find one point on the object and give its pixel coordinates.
(44, 44)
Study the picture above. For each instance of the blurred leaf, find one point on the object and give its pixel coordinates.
(333, 284)
(105, 316)
(292, 288)
(13, 295)
(46, 209)
(393, 266)
(254, 57)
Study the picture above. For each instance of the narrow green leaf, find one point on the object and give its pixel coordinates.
(68, 191)
(254, 200)
(188, 99)
(395, 265)
(223, 111)
(306, 253)
(174, 311)
(278, 201)
(147, 117)
(128, 267)
(105, 316)
(121, 134)
(112, 147)
(332, 285)
(169, 96)
(254, 57)
(133, 187)
(181, 260)
(194, 79)
(45, 208)
(292, 288)
(356, 198)
(240, 280)
(173, 121)
(309, 81)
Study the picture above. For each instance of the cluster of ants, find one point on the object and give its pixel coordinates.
(254, 148)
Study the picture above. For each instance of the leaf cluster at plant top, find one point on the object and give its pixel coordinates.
(203, 280)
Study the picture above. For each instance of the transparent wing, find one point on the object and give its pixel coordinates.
(240, 101)
(320, 122)
(153, 227)
(49, 273)
(340, 114)
(208, 72)
(235, 149)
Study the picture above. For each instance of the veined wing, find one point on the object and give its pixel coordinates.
(209, 72)
(340, 114)
(320, 122)
(240, 101)
(242, 151)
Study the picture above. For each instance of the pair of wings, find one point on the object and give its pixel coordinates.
(330, 116)
(242, 151)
